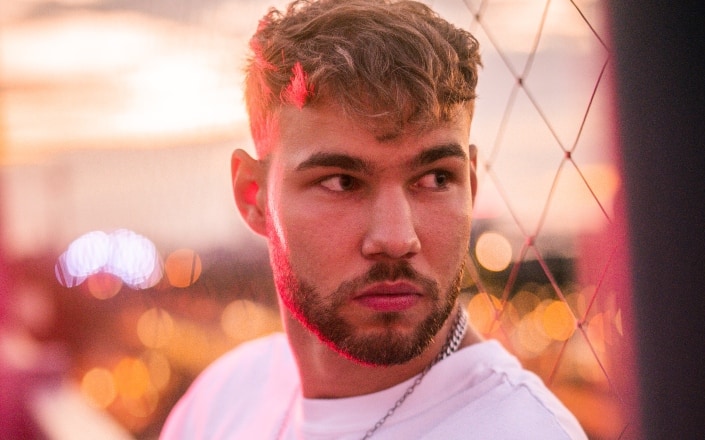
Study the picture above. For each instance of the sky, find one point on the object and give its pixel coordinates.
(124, 113)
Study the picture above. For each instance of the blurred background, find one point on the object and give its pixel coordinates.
(125, 268)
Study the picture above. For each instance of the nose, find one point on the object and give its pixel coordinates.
(391, 231)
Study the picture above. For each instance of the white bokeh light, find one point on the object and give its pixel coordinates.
(123, 253)
(133, 258)
(87, 254)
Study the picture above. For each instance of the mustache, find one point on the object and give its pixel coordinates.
(401, 270)
(389, 272)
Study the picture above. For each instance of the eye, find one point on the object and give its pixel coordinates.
(437, 179)
(339, 183)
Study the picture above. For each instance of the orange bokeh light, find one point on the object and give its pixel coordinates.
(159, 369)
(493, 251)
(482, 310)
(183, 267)
(243, 320)
(155, 328)
(98, 387)
(558, 321)
(131, 377)
(529, 337)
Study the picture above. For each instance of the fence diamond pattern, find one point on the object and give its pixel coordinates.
(548, 185)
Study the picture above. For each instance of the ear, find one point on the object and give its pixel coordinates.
(473, 170)
(249, 188)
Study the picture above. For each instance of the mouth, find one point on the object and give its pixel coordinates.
(389, 297)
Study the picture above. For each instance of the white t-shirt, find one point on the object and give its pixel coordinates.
(480, 392)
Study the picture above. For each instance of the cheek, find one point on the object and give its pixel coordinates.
(316, 241)
(445, 237)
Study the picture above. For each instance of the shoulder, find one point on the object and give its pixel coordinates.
(501, 399)
(230, 385)
(252, 358)
(251, 355)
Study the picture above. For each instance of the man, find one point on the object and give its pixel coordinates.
(360, 111)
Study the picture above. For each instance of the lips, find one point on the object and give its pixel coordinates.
(389, 297)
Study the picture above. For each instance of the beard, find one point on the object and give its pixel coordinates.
(321, 313)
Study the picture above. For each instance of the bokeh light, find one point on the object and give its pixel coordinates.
(493, 251)
(598, 331)
(159, 369)
(618, 323)
(62, 275)
(125, 254)
(131, 378)
(482, 311)
(135, 388)
(558, 321)
(88, 254)
(133, 258)
(525, 301)
(98, 387)
(103, 285)
(155, 328)
(144, 404)
(244, 319)
(529, 337)
(577, 301)
(183, 267)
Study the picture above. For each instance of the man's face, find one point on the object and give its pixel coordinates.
(368, 234)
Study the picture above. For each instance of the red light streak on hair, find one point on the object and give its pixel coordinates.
(298, 92)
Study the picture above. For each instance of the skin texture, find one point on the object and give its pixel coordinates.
(367, 235)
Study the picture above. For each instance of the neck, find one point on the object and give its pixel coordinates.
(321, 368)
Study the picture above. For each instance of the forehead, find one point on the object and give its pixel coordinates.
(310, 130)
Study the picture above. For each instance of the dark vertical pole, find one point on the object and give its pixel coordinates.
(659, 56)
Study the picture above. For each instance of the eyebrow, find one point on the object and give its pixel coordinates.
(335, 160)
(439, 152)
(356, 164)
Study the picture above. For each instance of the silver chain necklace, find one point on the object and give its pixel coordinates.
(451, 345)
